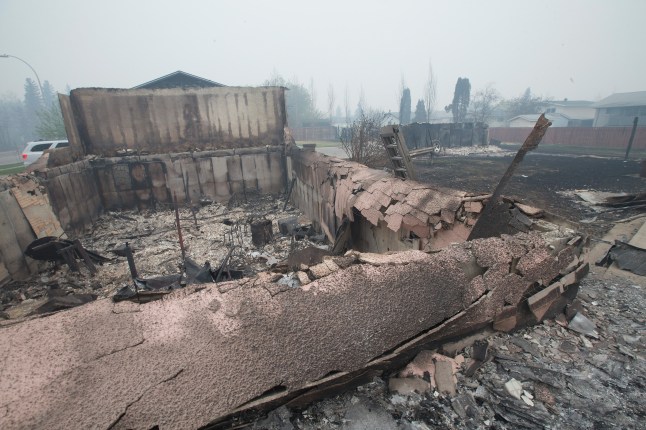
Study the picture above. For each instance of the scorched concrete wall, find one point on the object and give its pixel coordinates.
(145, 182)
(70, 198)
(74, 195)
(176, 120)
(386, 213)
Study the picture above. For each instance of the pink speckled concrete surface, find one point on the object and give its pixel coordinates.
(198, 354)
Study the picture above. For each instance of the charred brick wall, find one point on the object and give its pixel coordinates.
(159, 121)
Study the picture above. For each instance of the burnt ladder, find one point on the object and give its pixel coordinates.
(397, 151)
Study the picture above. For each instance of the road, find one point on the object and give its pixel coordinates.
(9, 157)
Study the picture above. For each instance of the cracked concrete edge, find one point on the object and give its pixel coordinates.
(200, 362)
(125, 411)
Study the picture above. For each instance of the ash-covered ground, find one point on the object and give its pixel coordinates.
(209, 234)
(546, 181)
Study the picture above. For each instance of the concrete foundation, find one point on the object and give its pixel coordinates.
(200, 355)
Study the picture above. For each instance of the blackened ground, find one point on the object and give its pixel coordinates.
(540, 180)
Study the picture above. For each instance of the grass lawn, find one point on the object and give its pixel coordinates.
(10, 169)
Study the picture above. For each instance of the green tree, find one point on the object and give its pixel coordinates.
(298, 101)
(461, 98)
(51, 125)
(405, 107)
(420, 112)
(37, 116)
(49, 95)
(33, 104)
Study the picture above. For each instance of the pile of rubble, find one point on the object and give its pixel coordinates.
(213, 233)
(545, 376)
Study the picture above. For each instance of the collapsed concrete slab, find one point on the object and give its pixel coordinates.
(203, 354)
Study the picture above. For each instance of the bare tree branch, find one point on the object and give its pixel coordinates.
(361, 140)
(483, 103)
(346, 100)
(430, 91)
(330, 100)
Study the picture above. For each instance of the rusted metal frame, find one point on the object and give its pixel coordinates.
(224, 264)
(531, 143)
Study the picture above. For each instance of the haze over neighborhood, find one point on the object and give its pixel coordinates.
(574, 49)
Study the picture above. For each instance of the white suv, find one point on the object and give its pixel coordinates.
(34, 150)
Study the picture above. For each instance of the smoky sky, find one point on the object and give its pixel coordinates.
(561, 49)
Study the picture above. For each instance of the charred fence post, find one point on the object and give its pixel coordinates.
(179, 229)
(289, 193)
(481, 228)
(632, 137)
(261, 232)
(133, 269)
(131, 261)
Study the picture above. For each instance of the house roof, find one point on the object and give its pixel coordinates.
(571, 103)
(637, 98)
(534, 116)
(179, 79)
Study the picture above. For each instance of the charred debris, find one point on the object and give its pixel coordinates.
(283, 277)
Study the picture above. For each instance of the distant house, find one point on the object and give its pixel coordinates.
(579, 112)
(440, 116)
(557, 119)
(620, 109)
(178, 79)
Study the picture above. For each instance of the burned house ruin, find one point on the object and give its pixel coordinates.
(400, 273)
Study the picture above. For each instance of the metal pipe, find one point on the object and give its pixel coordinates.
(42, 94)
